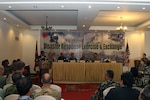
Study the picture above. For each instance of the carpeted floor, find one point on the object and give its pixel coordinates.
(81, 87)
(78, 91)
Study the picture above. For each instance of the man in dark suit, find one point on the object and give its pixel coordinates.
(125, 91)
(62, 57)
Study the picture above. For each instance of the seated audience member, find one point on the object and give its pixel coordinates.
(134, 70)
(9, 77)
(142, 66)
(143, 73)
(107, 83)
(5, 64)
(12, 89)
(61, 57)
(46, 90)
(13, 62)
(2, 78)
(95, 57)
(145, 93)
(19, 67)
(24, 88)
(125, 91)
(144, 58)
(72, 57)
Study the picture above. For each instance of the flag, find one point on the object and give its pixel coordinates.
(127, 53)
(36, 57)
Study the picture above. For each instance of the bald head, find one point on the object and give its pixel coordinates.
(46, 78)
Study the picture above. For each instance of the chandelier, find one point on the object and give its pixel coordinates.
(121, 28)
(46, 27)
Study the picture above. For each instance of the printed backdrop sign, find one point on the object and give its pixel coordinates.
(106, 44)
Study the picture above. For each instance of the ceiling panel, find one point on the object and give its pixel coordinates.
(54, 17)
(76, 13)
(112, 18)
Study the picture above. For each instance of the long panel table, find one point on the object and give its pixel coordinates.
(74, 72)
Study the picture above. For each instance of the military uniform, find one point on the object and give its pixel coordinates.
(46, 90)
(11, 90)
(144, 77)
(99, 92)
(2, 81)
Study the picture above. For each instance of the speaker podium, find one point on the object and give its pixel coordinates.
(44, 67)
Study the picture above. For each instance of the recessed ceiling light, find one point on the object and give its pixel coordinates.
(89, 6)
(17, 25)
(143, 8)
(9, 6)
(35, 6)
(118, 7)
(4, 18)
(83, 25)
(62, 6)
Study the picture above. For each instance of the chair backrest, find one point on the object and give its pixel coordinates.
(12, 97)
(137, 88)
(44, 97)
(6, 86)
(1, 94)
(56, 87)
(105, 92)
(34, 87)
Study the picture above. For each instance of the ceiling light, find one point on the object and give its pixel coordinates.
(143, 8)
(89, 6)
(118, 7)
(62, 6)
(83, 25)
(46, 27)
(121, 28)
(17, 25)
(4, 18)
(9, 6)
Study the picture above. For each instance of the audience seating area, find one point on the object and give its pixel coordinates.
(44, 97)
(12, 97)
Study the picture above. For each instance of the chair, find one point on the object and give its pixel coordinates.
(34, 87)
(6, 86)
(12, 97)
(44, 97)
(137, 88)
(56, 87)
(105, 92)
(1, 94)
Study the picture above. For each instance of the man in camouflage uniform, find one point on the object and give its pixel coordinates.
(12, 89)
(144, 74)
(107, 83)
(46, 89)
(145, 92)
